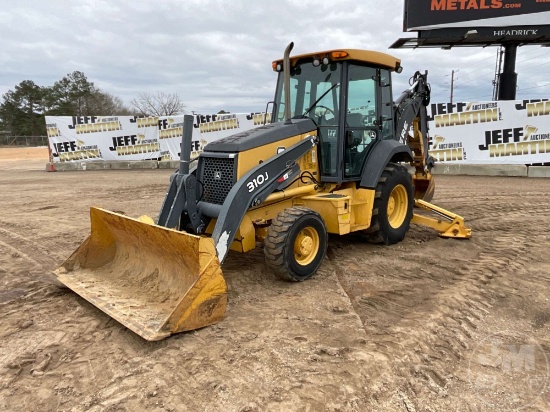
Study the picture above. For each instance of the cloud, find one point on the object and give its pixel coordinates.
(217, 54)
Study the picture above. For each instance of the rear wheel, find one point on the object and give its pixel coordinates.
(393, 206)
(296, 243)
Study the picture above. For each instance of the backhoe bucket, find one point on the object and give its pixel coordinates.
(424, 187)
(155, 281)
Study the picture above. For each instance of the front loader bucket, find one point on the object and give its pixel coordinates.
(155, 281)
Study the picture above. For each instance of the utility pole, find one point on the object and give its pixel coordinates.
(452, 84)
(498, 68)
(508, 79)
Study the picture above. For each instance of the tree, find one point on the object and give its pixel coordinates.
(70, 96)
(22, 110)
(159, 104)
(74, 95)
(104, 103)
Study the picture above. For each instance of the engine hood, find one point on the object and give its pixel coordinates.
(260, 136)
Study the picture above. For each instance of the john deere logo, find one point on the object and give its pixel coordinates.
(217, 175)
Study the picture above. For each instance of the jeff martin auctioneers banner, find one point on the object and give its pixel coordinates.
(495, 132)
(108, 138)
(501, 132)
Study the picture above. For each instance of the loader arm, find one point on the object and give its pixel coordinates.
(247, 192)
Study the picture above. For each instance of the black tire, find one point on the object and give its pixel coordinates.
(294, 231)
(393, 206)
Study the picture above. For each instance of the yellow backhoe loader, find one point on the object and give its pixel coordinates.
(334, 158)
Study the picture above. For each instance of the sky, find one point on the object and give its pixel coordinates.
(216, 55)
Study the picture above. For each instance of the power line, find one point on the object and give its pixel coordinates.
(476, 78)
(528, 51)
(535, 87)
(534, 57)
(475, 98)
(473, 64)
(483, 68)
(538, 65)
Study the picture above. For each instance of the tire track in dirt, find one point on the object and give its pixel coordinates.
(37, 252)
(449, 295)
(29, 259)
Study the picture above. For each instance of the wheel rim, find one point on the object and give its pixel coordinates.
(397, 206)
(306, 246)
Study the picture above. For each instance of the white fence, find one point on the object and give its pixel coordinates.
(93, 138)
(501, 132)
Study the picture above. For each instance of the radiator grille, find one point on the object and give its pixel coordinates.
(217, 178)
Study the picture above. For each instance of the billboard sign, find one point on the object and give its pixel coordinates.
(445, 14)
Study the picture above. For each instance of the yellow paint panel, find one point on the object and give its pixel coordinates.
(253, 157)
(365, 56)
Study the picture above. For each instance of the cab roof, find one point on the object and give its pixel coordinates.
(365, 56)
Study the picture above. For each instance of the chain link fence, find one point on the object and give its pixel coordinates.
(23, 140)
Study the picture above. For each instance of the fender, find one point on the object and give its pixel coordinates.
(383, 152)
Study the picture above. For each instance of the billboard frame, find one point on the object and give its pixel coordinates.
(498, 26)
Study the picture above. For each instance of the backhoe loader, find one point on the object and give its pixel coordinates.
(335, 158)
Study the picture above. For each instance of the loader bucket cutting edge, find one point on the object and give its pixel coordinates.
(155, 281)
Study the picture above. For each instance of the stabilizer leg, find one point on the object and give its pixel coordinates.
(449, 225)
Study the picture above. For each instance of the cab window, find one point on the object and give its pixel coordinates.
(361, 111)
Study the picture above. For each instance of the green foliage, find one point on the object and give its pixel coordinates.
(72, 94)
(23, 109)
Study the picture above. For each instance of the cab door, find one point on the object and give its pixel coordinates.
(361, 126)
(368, 115)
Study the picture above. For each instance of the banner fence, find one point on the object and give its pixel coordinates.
(497, 132)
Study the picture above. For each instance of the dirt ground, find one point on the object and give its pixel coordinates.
(426, 325)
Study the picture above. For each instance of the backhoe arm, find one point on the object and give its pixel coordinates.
(410, 110)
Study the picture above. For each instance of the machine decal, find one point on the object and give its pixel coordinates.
(404, 132)
(257, 182)
(223, 243)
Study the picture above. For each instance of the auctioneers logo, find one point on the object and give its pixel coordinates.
(134, 144)
(75, 150)
(510, 368)
(52, 130)
(259, 118)
(446, 152)
(535, 108)
(170, 129)
(216, 122)
(516, 141)
(95, 124)
(459, 114)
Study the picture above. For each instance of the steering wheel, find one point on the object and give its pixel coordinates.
(327, 110)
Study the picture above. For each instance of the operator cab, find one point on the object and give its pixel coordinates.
(347, 93)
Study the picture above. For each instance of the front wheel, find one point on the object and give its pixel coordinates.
(296, 243)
